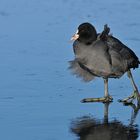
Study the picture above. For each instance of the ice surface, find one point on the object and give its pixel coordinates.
(38, 96)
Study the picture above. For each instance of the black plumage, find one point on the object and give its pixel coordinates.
(101, 55)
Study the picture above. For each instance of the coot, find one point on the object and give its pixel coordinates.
(102, 55)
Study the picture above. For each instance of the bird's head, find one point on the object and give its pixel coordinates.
(86, 33)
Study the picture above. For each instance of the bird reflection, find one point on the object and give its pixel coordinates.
(88, 128)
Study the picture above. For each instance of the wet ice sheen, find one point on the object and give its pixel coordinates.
(39, 97)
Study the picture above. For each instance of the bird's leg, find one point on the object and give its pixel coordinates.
(135, 94)
(106, 87)
(105, 99)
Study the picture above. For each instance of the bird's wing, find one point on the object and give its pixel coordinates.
(104, 34)
(125, 53)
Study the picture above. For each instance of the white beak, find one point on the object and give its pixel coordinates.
(75, 36)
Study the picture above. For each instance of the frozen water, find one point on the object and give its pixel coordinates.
(39, 97)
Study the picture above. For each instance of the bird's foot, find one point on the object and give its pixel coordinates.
(103, 99)
(129, 100)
